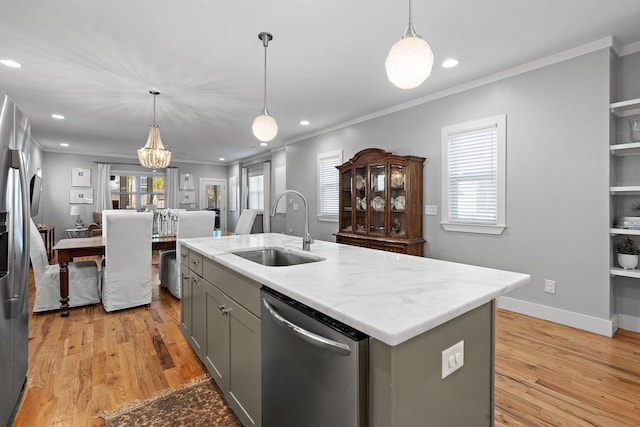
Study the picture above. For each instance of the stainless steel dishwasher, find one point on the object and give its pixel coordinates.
(314, 368)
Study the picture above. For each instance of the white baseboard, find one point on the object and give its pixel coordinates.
(568, 318)
(629, 323)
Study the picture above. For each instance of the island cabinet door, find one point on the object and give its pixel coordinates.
(245, 390)
(217, 346)
(186, 300)
(198, 314)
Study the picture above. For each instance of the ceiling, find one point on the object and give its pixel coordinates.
(95, 61)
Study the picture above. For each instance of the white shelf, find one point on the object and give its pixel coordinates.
(617, 271)
(626, 108)
(628, 149)
(624, 231)
(626, 189)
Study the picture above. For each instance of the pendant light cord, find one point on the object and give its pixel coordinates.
(265, 43)
(154, 108)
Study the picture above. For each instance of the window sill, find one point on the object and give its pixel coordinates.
(474, 228)
(327, 218)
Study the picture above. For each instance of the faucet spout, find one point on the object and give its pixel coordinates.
(306, 239)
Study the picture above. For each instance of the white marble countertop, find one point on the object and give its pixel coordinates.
(388, 296)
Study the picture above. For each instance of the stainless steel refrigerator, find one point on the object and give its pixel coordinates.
(14, 256)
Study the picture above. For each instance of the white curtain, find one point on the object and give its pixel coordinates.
(266, 214)
(103, 199)
(172, 188)
(244, 185)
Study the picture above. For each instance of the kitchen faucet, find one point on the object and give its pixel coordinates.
(306, 239)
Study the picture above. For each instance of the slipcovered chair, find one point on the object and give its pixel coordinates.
(83, 276)
(126, 274)
(112, 212)
(245, 222)
(190, 224)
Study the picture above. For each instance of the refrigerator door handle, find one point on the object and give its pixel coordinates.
(17, 162)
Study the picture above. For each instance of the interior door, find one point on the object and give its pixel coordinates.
(213, 196)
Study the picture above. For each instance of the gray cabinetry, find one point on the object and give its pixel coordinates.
(220, 312)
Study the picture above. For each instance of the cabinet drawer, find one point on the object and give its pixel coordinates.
(184, 256)
(243, 290)
(195, 262)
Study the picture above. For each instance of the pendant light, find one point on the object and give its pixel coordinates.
(264, 126)
(153, 155)
(410, 60)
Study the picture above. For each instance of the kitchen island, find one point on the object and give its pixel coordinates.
(412, 308)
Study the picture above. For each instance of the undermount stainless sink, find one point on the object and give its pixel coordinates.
(276, 257)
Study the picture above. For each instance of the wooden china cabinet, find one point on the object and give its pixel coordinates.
(381, 202)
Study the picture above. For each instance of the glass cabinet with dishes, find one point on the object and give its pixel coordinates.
(381, 202)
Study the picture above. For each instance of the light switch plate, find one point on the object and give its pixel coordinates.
(452, 359)
(431, 210)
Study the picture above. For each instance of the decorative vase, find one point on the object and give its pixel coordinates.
(628, 262)
(634, 129)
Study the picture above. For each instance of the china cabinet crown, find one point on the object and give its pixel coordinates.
(381, 202)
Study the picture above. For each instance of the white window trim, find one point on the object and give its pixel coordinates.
(501, 122)
(322, 156)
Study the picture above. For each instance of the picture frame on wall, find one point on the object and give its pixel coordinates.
(186, 181)
(81, 196)
(188, 198)
(80, 177)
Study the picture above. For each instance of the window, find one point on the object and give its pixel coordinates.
(255, 177)
(136, 191)
(328, 199)
(473, 176)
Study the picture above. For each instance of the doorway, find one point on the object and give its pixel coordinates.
(213, 197)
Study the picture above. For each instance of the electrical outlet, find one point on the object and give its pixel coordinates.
(295, 206)
(431, 210)
(550, 286)
(452, 359)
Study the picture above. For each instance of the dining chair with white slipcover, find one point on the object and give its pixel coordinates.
(246, 220)
(190, 224)
(83, 277)
(126, 274)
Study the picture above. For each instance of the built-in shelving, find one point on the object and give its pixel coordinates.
(632, 190)
(616, 271)
(624, 231)
(626, 108)
(628, 149)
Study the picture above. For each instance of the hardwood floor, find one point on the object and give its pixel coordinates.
(546, 374)
(93, 360)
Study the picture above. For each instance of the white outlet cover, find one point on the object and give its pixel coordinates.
(452, 359)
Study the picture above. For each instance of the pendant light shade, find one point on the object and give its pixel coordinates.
(410, 60)
(153, 155)
(264, 126)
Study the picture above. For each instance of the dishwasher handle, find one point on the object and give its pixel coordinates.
(308, 336)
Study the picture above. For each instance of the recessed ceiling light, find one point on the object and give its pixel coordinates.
(58, 116)
(221, 159)
(304, 122)
(10, 63)
(64, 144)
(263, 144)
(450, 63)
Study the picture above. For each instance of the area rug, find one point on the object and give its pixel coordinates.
(197, 403)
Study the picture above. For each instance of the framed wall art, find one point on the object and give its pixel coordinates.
(81, 196)
(80, 177)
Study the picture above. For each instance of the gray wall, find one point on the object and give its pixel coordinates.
(557, 177)
(56, 181)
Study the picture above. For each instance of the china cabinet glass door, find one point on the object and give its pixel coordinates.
(361, 200)
(346, 212)
(377, 199)
(397, 201)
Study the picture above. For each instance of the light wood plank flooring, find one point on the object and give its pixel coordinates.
(546, 374)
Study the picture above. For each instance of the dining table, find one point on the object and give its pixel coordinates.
(68, 249)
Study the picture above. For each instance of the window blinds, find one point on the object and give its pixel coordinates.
(328, 186)
(473, 176)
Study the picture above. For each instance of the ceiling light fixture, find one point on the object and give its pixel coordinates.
(410, 60)
(304, 122)
(64, 144)
(57, 116)
(153, 155)
(264, 126)
(10, 63)
(450, 63)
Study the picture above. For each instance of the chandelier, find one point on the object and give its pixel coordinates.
(153, 155)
